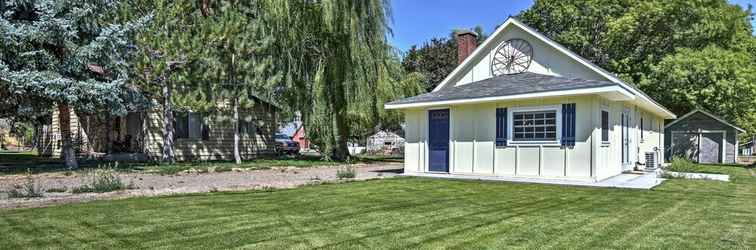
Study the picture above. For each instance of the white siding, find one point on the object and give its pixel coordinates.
(473, 132)
(546, 60)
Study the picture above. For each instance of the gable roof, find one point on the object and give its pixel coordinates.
(719, 119)
(585, 62)
(502, 86)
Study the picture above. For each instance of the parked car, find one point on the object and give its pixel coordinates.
(285, 145)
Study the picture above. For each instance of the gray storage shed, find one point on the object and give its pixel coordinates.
(702, 137)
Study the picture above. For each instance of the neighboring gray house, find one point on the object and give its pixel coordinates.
(702, 137)
(385, 141)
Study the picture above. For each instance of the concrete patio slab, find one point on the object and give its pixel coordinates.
(633, 181)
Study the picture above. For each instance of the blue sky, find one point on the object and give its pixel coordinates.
(417, 21)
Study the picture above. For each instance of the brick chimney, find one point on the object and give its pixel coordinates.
(467, 41)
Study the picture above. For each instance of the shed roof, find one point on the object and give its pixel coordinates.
(715, 117)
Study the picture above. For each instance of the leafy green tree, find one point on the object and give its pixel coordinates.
(664, 46)
(628, 37)
(67, 53)
(719, 80)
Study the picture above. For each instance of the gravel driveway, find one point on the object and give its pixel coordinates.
(155, 184)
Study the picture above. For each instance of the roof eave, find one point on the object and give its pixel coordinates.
(618, 92)
(707, 114)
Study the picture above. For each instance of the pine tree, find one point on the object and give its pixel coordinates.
(237, 63)
(167, 49)
(66, 52)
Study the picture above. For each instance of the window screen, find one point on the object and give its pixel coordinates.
(189, 125)
(604, 126)
(180, 125)
(247, 127)
(534, 126)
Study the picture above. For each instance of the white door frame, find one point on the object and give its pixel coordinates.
(626, 140)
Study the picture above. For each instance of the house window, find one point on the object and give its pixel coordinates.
(501, 127)
(642, 130)
(247, 127)
(534, 125)
(604, 126)
(190, 125)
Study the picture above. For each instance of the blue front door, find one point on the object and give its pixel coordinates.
(438, 138)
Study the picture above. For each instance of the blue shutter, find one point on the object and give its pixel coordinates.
(501, 127)
(568, 124)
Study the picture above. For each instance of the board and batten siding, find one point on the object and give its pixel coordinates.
(546, 60)
(221, 137)
(473, 133)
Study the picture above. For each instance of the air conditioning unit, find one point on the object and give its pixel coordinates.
(652, 161)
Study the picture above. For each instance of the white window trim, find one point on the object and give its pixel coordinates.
(609, 137)
(510, 124)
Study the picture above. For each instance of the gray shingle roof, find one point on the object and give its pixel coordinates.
(505, 85)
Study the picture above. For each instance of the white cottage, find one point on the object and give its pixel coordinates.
(521, 105)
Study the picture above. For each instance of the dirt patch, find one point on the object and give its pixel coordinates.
(183, 183)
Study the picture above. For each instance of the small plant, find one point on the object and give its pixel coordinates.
(56, 190)
(28, 190)
(100, 180)
(346, 173)
(681, 164)
(223, 169)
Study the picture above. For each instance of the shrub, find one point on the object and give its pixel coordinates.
(56, 190)
(223, 169)
(100, 180)
(346, 173)
(28, 190)
(681, 164)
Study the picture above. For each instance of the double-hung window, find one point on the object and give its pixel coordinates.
(604, 126)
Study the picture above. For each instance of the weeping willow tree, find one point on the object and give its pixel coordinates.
(339, 67)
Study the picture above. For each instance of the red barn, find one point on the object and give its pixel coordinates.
(300, 137)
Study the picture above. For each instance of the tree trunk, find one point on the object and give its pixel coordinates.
(237, 155)
(64, 122)
(341, 147)
(108, 134)
(168, 155)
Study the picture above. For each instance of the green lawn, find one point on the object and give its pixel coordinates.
(408, 213)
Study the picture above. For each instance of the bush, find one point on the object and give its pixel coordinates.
(223, 169)
(346, 173)
(100, 180)
(56, 190)
(28, 190)
(681, 164)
